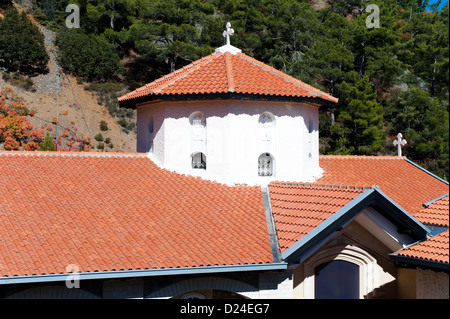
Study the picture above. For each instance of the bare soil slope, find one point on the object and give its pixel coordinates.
(79, 112)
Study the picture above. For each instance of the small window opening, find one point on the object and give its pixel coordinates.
(199, 161)
(265, 165)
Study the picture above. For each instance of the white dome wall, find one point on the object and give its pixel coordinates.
(233, 142)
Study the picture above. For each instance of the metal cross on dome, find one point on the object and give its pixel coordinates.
(399, 142)
(228, 32)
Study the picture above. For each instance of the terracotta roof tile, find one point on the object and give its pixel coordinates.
(113, 211)
(299, 208)
(436, 213)
(406, 184)
(225, 72)
(434, 249)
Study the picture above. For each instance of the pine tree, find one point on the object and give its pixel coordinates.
(21, 44)
(359, 125)
(47, 144)
(89, 56)
(423, 121)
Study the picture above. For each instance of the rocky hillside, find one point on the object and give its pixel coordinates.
(79, 111)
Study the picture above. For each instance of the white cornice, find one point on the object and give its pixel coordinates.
(228, 48)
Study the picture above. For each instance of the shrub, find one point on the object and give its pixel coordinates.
(122, 122)
(103, 126)
(15, 130)
(18, 80)
(99, 137)
(47, 144)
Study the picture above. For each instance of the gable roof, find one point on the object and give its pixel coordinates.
(119, 212)
(299, 208)
(403, 181)
(432, 253)
(306, 215)
(227, 73)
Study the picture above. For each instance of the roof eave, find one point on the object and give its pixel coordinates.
(426, 171)
(132, 103)
(412, 262)
(122, 274)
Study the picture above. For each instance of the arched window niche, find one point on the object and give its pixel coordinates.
(198, 160)
(336, 279)
(362, 262)
(265, 164)
(197, 122)
(266, 127)
(198, 125)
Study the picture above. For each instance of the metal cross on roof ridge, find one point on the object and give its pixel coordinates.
(399, 142)
(229, 31)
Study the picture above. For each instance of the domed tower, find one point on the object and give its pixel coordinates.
(230, 118)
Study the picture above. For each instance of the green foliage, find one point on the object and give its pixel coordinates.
(88, 56)
(47, 144)
(101, 146)
(103, 126)
(21, 44)
(18, 80)
(179, 32)
(424, 122)
(359, 125)
(99, 137)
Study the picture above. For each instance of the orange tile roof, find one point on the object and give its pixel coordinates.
(405, 183)
(436, 213)
(299, 208)
(228, 73)
(119, 212)
(434, 249)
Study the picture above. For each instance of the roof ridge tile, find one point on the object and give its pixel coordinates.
(229, 72)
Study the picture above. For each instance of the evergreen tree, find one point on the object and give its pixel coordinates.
(376, 49)
(88, 56)
(21, 44)
(423, 121)
(429, 42)
(175, 36)
(359, 125)
(47, 144)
